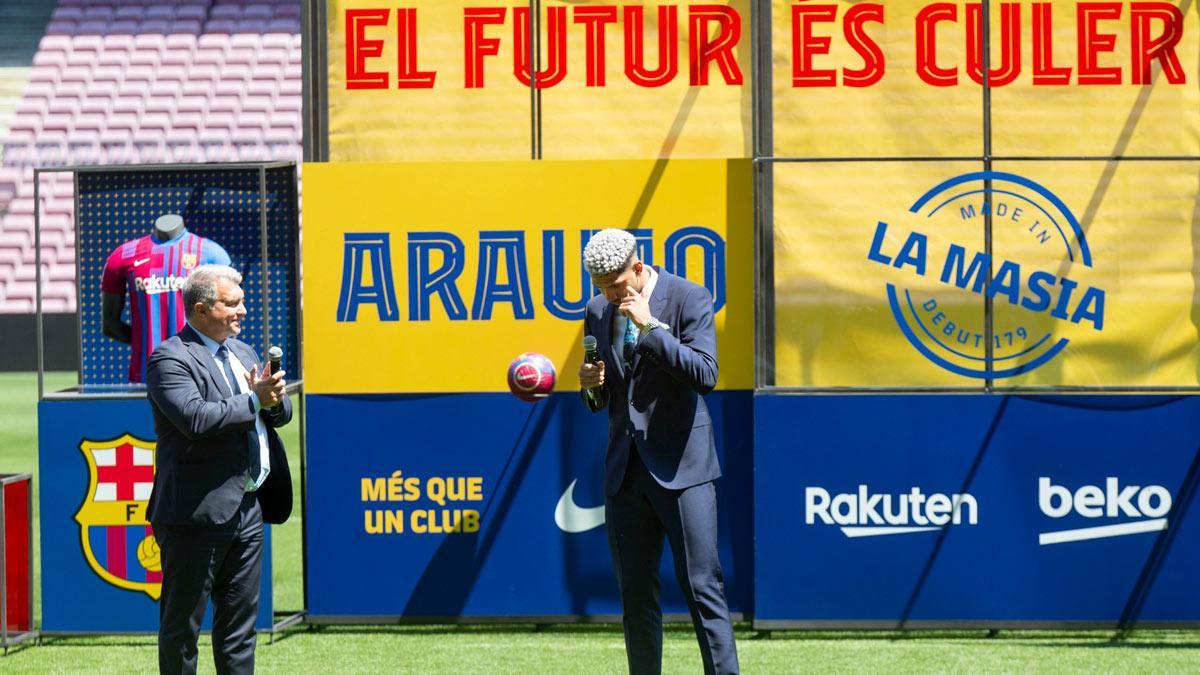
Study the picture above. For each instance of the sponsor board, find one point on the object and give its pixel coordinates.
(459, 259)
(1148, 504)
(866, 514)
(975, 509)
(504, 519)
(101, 570)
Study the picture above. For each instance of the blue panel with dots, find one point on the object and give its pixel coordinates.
(218, 204)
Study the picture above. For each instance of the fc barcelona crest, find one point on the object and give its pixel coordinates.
(188, 260)
(117, 540)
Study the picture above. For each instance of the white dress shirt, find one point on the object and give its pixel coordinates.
(239, 372)
(620, 321)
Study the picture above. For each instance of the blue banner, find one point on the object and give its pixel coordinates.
(101, 571)
(975, 509)
(481, 505)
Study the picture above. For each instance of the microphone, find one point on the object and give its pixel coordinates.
(592, 355)
(274, 356)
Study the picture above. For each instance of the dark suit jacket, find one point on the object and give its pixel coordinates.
(658, 404)
(202, 455)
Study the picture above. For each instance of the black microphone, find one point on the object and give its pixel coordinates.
(592, 355)
(275, 356)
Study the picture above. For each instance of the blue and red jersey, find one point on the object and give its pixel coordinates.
(152, 272)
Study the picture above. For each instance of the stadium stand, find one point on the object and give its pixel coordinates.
(139, 82)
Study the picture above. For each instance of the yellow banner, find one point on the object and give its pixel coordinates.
(845, 83)
(662, 79)
(1096, 78)
(434, 276)
(427, 80)
(904, 78)
(1091, 273)
(436, 80)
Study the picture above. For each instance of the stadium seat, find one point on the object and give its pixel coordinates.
(220, 120)
(121, 81)
(155, 26)
(61, 27)
(180, 42)
(115, 147)
(92, 27)
(192, 104)
(176, 57)
(160, 105)
(124, 28)
(129, 13)
(67, 13)
(90, 124)
(258, 104)
(160, 11)
(209, 57)
(55, 43)
(25, 124)
(252, 122)
(181, 146)
(44, 75)
(123, 121)
(221, 26)
(83, 42)
(98, 13)
(148, 147)
(116, 44)
(228, 87)
(156, 123)
(284, 25)
(191, 12)
(258, 11)
(54, 122)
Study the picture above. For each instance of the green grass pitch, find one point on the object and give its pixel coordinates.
(566, 649)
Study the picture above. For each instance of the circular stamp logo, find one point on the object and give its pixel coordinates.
(943, 268)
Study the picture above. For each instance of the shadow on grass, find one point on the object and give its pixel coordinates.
(98, 641)
(1149, 639)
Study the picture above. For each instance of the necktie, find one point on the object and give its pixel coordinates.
(630, 345)
(255, 461)
(230, 378)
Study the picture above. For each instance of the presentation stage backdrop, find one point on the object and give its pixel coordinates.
(432, 491)
(929, 219)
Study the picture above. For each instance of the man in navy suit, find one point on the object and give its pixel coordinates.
(220, 473)
(658, 351)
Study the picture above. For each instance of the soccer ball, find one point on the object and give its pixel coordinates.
(148, 554)
(531, 376)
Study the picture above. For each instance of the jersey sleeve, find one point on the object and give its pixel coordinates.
(115, 271)
(211, 253)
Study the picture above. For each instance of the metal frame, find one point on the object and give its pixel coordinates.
(314, 91)
(132, 391)
(295, 388)
(762, 19)
(11, 640)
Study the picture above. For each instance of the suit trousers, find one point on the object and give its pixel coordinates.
(638, 518)
(223, 563)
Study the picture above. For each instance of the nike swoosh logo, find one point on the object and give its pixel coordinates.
(143, 261)
(572, 518)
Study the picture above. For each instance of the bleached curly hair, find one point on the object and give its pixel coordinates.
(608, 251)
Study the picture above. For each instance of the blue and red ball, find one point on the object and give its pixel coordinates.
(531, 376)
